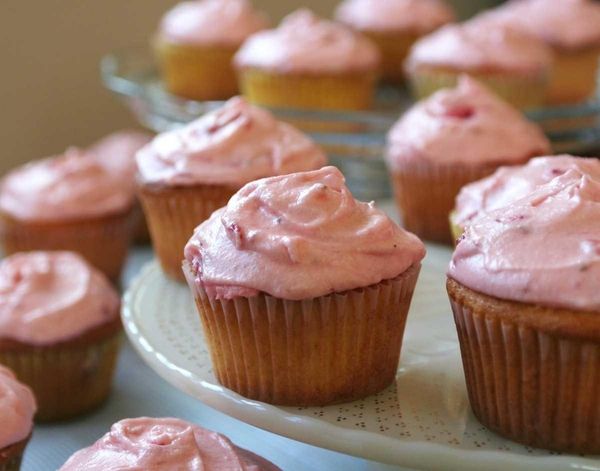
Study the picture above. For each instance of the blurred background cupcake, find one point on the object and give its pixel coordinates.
(196, 42)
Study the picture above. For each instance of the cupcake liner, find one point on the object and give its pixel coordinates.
(69, 378)
(528, 378)
(330, 349)
(173, 214)
(574, 76)
(394, 48)
(102, 241)
(12, 455)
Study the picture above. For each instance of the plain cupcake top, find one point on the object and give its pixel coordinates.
(69, 187)
(509, 184)
(477, 45)
(50, 297)
(164, 444)
(17, 408)
(467, 124)
(565, 24)
(542, 249)
(298, 236)
(305, 43)
(389, 16)
(233, 145)
(213, 22)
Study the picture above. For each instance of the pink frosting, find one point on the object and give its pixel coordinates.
(298, 236)
(467, 124)
(17, 408)
(164, 444)
(304, 43)
(477, 46)
(201, 22)
(415, 16)
(49, 297)
(542, 249)
(233, 145)
(510, 184)
(72, 186)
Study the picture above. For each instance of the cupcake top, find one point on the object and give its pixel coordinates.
(165, 444)
(509, 184)
(233, 145)
(50, 297)
(295, 237)
(17, 408)
(476, 46)
(542, 249)
(305, 43)
(214, 22)
(468, 124)
(389, 16)
(68, 187)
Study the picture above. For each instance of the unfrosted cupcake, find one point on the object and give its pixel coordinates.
(302, 290)
(59, 330)
(523, 284)
(17, 408)
(146, 443)
(452, 138)
(508, 184)
(196, 42)
(308, 62)
(394, 25)
(188, 173)
(516, 65)
(68, 202)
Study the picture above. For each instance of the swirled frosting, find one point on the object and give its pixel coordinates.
(510, 184)
(414, 16)
(164, 444)
(72, 186)
(233, 145)
(304, 43)
(17, 408)
(49, 297)
(201, 22)
(477, 46)
(298, 236)
(542, 249)
(467, 124)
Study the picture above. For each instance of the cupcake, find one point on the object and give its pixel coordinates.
(452, 138)
(59, 330)
(394, 25)
(188, 173)
(508, 184)
(164, 444)
(523, 285)
(196, 42)
(17, 408)
(68, 202)
(302, 290)
(571, 28)
(308, 62)
(516, 65)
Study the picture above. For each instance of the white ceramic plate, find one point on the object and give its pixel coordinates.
(423, 421)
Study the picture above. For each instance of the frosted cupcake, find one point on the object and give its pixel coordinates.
(188, 173)
(196, 42)
(308, 62)
(508, 184)
(17, 408)
(68, 202)
(59, 330)
(394, 25)
(452, 138)
(164, 444)
(315, 285)
(523, 284)
(516, 65)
